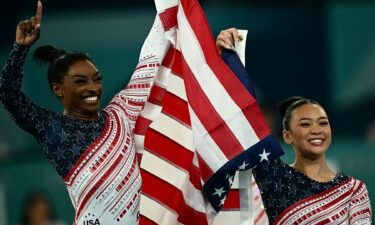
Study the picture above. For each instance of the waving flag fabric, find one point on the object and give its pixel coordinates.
(199, 126)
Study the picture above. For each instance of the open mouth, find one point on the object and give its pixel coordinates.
(91, 99)
(316, 141)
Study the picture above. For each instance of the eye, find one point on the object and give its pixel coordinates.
(79, 81)
(304, 124)
(98, 80)
(324, 123)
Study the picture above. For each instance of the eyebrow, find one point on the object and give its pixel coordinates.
(83, 76)
(320, 118)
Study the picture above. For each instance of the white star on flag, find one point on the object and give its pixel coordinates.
(243, 166)
(264, 155)
(219, 192)
(222, 201)
(230, 180)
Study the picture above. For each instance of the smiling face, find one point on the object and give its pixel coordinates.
(80, 90)
(309, 132)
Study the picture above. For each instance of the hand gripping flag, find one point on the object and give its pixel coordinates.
(199, 126)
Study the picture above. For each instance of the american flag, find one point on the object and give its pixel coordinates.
(199, 126)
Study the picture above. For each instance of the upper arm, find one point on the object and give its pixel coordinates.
(360, 207)
(132, 99)
(23, 111)
(26, 114)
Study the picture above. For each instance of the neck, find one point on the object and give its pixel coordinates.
(316, 168)
(77, 115)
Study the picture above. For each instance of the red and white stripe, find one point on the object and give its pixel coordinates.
(105, 183)
(347, 203)
(197, 118)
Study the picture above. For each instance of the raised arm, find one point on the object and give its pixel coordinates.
(24, 112)
(133, 98)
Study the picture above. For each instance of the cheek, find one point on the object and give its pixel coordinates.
(100, 86)
(299, 136)
(329, 135)
(73, 95)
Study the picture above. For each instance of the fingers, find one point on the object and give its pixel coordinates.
(226, 39)
(223, 44)
(234, 33)
(37, 31)
(39, 12)
(29, 29)
(20, 30)
(21, 25)
(33, 21)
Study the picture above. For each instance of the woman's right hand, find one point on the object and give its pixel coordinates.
(28, 31)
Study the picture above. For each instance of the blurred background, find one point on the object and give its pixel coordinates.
(323, 50)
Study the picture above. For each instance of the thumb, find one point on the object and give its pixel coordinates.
(37, 31)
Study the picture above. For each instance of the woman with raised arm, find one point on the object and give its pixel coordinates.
(92, 149)
(308, 191)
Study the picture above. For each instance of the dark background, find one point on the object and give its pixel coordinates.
(323, 50)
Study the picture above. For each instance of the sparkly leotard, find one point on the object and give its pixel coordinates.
(96, 159)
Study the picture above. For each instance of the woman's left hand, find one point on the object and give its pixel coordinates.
(226, 39)
(28, 31)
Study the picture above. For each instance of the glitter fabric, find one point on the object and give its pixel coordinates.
(63, 138)
(282, 185)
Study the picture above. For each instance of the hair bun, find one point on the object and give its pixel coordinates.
(47, 54)
(285, 104)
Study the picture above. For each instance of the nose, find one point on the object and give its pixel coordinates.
(316, 129)
(94, 87)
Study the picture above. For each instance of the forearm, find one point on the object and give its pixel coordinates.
(360, 207)
(133, 98)
(22, 110)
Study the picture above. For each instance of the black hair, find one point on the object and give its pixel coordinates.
(287, 106)
(59, 61)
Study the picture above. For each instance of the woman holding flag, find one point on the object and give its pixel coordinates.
(308, 191)
(92, 149)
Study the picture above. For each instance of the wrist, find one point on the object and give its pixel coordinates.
(20, 49)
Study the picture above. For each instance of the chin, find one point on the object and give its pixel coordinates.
(91, 108)
(315, 153)
(91, 111)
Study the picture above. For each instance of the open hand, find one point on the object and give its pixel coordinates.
(226, 39)
(28, 31)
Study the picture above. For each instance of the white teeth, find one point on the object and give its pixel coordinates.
(91, 99)
(316, 140)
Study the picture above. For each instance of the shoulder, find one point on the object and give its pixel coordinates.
(358, 186)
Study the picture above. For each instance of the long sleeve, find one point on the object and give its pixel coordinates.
(132, 99)
(360, 207)
(23, 111)
(12, 74)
